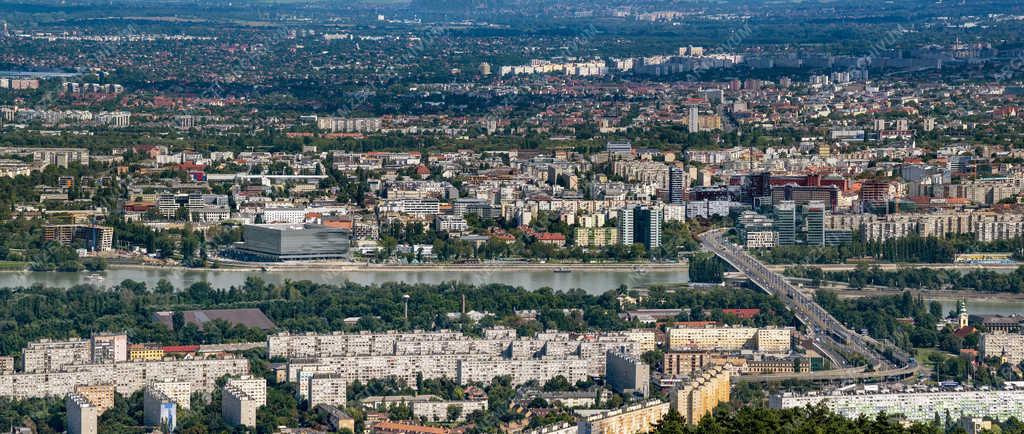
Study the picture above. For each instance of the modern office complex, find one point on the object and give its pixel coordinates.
(677, 184)
(284, 242)
(785, 222)
(814, 219)
(640, 225)
(93, 238)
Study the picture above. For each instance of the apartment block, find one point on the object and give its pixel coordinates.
(82, 416)
(329, 389)
(100, 395)
(627, 374)
(95, 238)
(697, 398)
(253, 387)
(138, 352)
(364, 356)
(53, 356)
(1007, 346)
(126, 377)
(677, 364)
(438, 411)
(637, 418)
(109, 347)
(237, 407)
(159, 410)
(521, 371)
(6, 365)
(178, 391)
(769, 340)
(914, 406)
(647, 339)
(596, 237)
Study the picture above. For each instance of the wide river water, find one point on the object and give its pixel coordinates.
(594, 282)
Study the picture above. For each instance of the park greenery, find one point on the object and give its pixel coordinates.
(37, 312)
(912, 249)
(707, 268)
(816, 419)
(910, 323)
(918, 278)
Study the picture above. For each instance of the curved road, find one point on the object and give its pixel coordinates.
(829, 336)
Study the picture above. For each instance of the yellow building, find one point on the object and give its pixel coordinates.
(721, 338)
(637, 418)
(596, 237)
(100, 396)
(647, 339)
(143, 353)
(699, 397)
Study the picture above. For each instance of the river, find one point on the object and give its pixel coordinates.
(594, 282)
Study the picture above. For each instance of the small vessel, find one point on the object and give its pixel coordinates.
(95, 277)
(562, 270)
(639, 269)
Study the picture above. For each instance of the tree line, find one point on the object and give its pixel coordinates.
(919, 278)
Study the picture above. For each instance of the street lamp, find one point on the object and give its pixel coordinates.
(405, 301)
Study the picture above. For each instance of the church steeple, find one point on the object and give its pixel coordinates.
(961, 310)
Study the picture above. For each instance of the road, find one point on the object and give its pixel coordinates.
(830, 336)
(1005, 268)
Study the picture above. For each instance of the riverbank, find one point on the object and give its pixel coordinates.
(898, 266)
(345, 266)
(592, 278)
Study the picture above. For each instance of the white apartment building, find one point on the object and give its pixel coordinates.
(1007, 346)
(437, 411)
(52, 356)
(921, 407)
(328, 389)
(126, 377)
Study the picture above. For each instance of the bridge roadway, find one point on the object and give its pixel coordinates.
(829, 336)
